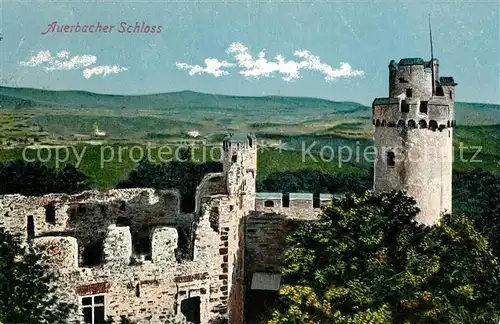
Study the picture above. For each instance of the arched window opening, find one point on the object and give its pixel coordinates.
(433, 125)
(411, 124)
(422, 124)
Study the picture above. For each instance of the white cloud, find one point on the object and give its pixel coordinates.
(102, 70)
(63, 62)
(212, 66)
(289, 70)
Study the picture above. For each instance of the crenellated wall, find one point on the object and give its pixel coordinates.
(273, 219)
(298, 206)
(413, 135)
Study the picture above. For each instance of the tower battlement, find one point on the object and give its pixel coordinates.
(413, 135)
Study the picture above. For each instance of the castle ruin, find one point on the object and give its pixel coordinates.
(134, 253)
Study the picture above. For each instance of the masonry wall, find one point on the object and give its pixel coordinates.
(413, 137)
(151, 287)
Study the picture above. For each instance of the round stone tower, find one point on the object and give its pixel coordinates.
(413, 136)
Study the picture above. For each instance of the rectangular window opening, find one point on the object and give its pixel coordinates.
(409, 93)
(286, 200)
(93, 309)
(31, 228)
(50, 214)
(268, 203)
(405, 107)
(93, 253)
(390, 159)
(316, 201)
(423, 107)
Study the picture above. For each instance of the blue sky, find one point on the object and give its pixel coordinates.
(322, 34)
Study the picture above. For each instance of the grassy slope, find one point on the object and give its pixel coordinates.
(299, 122)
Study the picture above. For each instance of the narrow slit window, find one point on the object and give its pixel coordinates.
(405, 107)
(286, 200)
(31, 228)
(316, 202)
(423, 107)
(214, 218)
(390, 159)
(50, 214)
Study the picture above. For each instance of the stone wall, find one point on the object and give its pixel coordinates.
(413, 136)
(299, 205)
(147, 286)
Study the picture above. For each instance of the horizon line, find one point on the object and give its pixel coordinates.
(214, 94)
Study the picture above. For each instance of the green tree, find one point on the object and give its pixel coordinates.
(35, 179)
(184, 175)
(28, 291)
(477, 194)
(368, 261)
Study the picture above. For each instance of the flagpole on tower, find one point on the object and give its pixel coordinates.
(432, 58)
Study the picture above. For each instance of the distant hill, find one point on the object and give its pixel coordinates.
(196, 107)
(163, 101)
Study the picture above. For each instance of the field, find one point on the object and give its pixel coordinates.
(38, 121)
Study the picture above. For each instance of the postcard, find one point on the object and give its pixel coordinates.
(249, 161)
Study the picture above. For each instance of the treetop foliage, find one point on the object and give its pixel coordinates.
(28, 290)
(35, 179)
(367, 261)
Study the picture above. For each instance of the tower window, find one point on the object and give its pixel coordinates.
(402, 80)
(409, 93)
(451, 95)
(268, 203)
(390, 159)
(439, 91)
(234, 158)
(423, 107)
(405, 107)
(433, 125)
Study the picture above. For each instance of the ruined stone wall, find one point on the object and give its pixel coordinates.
(152, 289)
